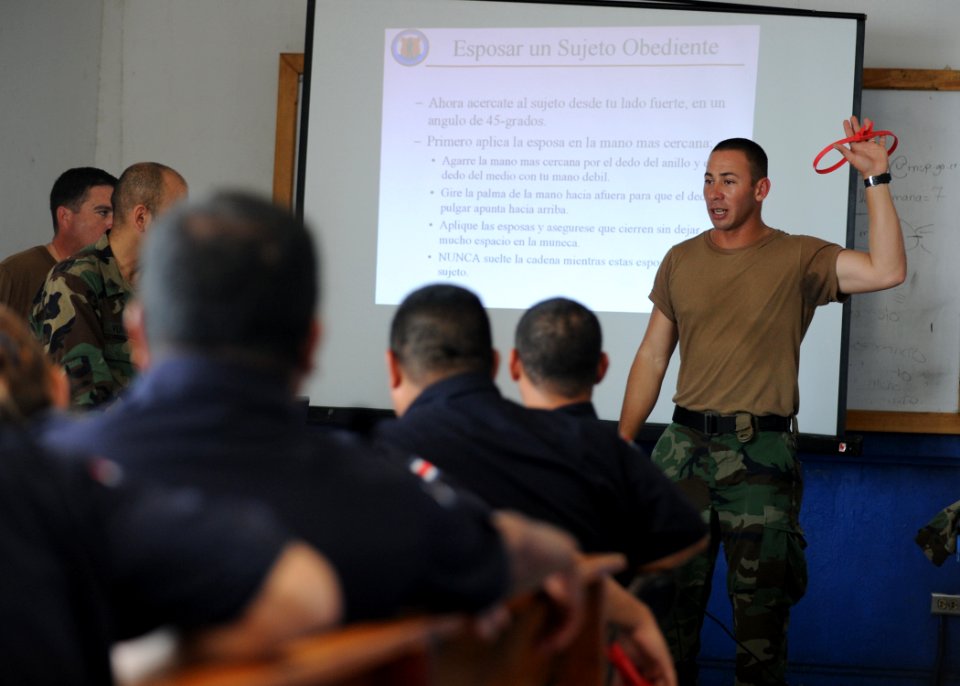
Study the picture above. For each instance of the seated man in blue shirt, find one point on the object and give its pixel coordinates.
(225, 327)
(88, 559)
(556, 361)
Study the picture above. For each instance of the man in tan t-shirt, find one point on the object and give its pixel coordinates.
(738, 299)
(82, 210)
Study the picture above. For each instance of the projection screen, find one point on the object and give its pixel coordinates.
(533, 149)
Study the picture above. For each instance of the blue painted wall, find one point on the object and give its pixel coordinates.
(866, 616)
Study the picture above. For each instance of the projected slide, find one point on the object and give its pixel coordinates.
(518, 162)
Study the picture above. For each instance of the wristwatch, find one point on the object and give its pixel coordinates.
(876, 180)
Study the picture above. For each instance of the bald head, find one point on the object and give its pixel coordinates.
(149, 185)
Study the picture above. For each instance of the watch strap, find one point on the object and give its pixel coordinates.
(877, 180)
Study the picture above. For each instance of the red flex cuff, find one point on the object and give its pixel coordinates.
(864, 134)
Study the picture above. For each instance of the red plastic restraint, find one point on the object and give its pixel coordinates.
(866, 133)
(628, 673)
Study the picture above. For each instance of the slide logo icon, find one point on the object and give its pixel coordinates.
(410, 47)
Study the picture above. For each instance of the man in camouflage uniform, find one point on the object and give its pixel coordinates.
(738, 299)
(938, 538)
(78, 316)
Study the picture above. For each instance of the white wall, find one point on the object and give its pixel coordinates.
(197, 86)
(49, 74)
(192, 83)
(921, 34)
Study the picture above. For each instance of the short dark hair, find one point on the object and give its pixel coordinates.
(756, 157)
(442, 330)
(71, 187)
(559, 342)
(141, 184)
(232, 274)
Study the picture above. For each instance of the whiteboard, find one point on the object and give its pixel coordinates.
(904, 353)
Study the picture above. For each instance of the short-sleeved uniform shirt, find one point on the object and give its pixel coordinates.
(79, 320)
(230, 429)
(741, 315)
(21, 277)
(574, 473)
(86, 559)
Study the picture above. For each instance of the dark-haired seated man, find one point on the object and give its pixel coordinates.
(556, 361)
(225, 327)
(88, 559)
(81, 209)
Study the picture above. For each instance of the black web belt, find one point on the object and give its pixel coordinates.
(713, 424)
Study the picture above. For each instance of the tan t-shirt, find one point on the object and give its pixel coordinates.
(22, 275)
(741, 315)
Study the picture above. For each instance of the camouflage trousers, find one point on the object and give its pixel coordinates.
(749, 494)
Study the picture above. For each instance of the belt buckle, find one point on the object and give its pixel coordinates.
(745, 425)
(711, 423)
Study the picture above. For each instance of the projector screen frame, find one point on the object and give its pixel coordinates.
(290, 65)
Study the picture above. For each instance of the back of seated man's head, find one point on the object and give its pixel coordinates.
(560, 345)
(72, 186)
(439, 331)
(232, 275)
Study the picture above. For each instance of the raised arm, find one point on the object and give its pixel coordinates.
(646, 373)
(885, 264)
